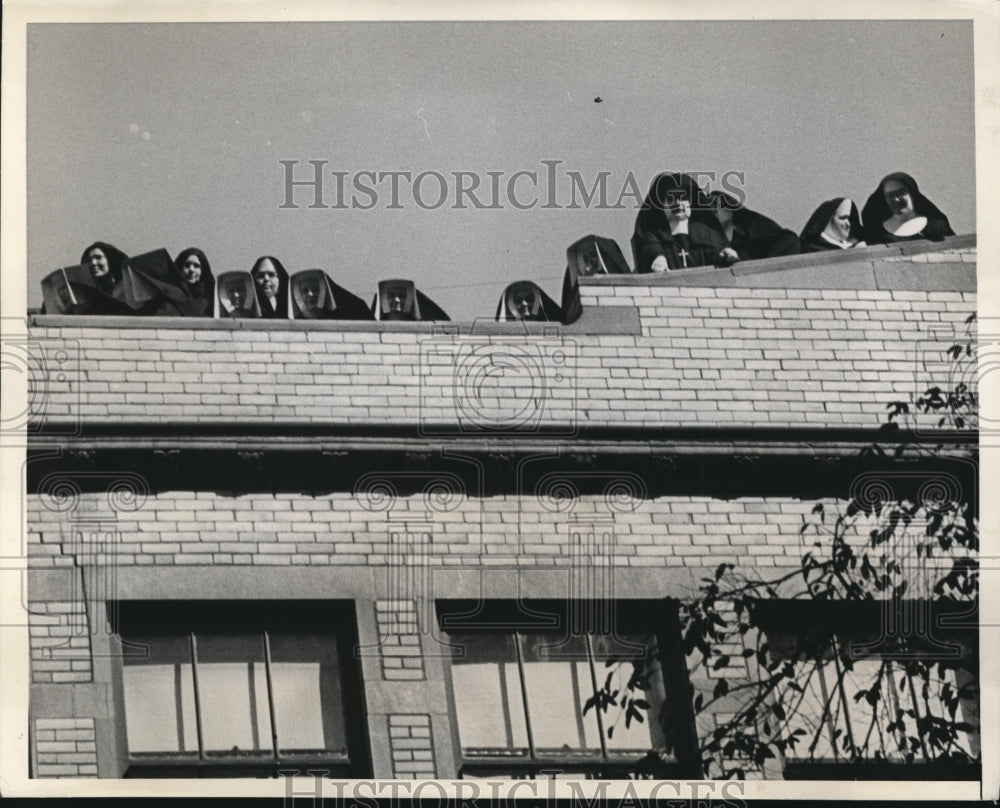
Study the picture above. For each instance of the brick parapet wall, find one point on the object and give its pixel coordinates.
(701, 356)
(774, 357)
(966, 255)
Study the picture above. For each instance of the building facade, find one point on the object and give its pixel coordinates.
(416, 550)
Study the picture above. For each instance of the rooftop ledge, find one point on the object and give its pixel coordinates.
(890, 267)
(884, 267)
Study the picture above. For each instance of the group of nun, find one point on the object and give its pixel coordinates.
(680, 226)
(107, 281)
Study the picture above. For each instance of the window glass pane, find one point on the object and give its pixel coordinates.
(849, 713)
(308, 698)
(868, 723)
(558, 682)
(232, 686)
(159, 695)
(630, 655)
(931, 706)
(832, 686)
(951, 679)
(805, 710)
(488, 694)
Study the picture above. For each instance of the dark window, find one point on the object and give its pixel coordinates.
(241, 690)
(861, 704)
(521, 690)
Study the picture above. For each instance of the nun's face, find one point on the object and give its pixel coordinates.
(841, 220)
(65, 296)
(898, 198)
(266, 278)
(523, 301)
(677, 207)
(234, 289)
(191, 269)
(591, 260)
(98, 262)
(395, 297)
(310, 291)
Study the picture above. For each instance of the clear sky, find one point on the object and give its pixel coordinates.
(170, 135)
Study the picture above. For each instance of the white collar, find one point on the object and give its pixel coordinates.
(908, 227)
(837, 242)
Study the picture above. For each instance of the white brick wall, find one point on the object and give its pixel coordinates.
(206, 528)
(410, 741)
(65, 747)
(399, 638)
(60, 642)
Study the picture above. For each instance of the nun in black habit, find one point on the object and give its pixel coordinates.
(271, 281)
(400, 300)
(897, 211)
(96, 286)
(74, 290)
(834, 225)
(107, 267)
(193, 274)
(235, 296)
(524, 300)
(110, 282)
(153, 290)
(316, 297)
(591, 255)
(677, 228)
(750, 235)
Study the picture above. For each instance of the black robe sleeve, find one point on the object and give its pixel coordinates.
(648, 247)
(756, 236)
